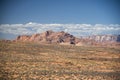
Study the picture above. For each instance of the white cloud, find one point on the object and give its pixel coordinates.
(75, 29)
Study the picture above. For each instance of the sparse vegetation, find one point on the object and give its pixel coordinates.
(34, 61)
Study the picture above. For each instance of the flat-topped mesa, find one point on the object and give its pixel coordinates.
(104, 38)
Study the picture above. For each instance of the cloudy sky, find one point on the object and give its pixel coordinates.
(78, 17)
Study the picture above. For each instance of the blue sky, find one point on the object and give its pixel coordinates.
(60, 11)
(72, 12)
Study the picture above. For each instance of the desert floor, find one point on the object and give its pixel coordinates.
(33, 61)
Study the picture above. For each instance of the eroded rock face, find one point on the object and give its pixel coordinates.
(101, 40)
(23, 38)
(66, 38)
(49, 37)
(104, 38)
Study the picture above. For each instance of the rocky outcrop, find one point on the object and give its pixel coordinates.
(66, 38)
(104, 38)
(23, 38)
(49, 37)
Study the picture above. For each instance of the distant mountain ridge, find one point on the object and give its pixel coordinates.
(66, 38)
(103, 38)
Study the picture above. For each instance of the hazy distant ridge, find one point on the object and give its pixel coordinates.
(62, 37)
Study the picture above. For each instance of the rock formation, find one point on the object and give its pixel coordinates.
(66, 38)
(104, 38)
(49, 37)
